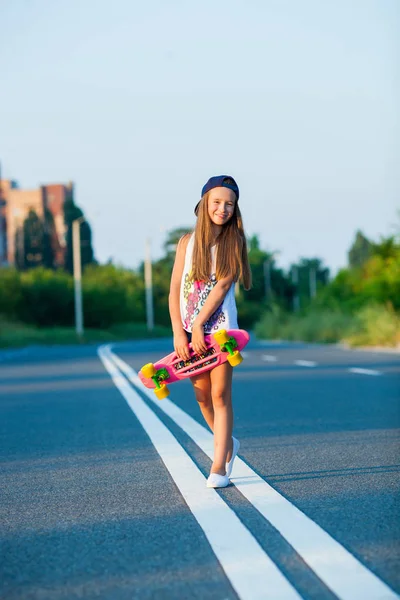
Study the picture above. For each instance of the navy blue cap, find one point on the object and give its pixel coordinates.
(219, 181)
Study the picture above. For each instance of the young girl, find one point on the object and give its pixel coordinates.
(207, 265)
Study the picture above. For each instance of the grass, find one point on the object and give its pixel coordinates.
(374, 325)
(16, 335)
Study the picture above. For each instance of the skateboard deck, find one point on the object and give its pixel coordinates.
(222, 346)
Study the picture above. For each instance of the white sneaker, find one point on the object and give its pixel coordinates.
(235, 450)
(217, 481)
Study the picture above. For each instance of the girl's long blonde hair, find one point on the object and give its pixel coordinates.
(232, 260)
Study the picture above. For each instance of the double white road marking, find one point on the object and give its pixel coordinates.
(249, 569)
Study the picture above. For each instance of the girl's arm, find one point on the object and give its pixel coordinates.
(180, 339)
(214, 300)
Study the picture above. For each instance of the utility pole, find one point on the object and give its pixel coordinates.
(295, 281)
(3, 237)
(148, 280)
(76, 253)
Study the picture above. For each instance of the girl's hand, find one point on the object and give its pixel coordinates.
(198, 343)
(181, 345)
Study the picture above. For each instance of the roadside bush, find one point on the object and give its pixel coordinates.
(10, 292)
(248, 312)
(324, 326)
(315, 326)
(47, 297)
(112, 295)
(271, 324)
(375, 325)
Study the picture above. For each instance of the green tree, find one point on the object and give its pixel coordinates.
(270, 284)
(33, 242)
(72, 212)
(172, 240)
(257, 259)
(49, 231)
(377, 280)
(310, 271)
(19, 244)
(360, 251)
(33, 232)
(386, 248)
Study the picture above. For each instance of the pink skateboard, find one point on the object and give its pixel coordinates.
(224, 345)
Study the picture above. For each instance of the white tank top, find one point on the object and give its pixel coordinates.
(193, 295)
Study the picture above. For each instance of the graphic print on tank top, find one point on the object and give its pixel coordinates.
(195, 294)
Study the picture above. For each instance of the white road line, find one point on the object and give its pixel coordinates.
(268, 357)
(250, 571)
(333, 564)
(305, 363)
(365, 371)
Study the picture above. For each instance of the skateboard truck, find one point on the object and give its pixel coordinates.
(228, 344)
(161, 389)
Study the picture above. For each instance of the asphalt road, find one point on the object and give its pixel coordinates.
(102, 489)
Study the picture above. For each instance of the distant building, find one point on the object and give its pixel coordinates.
(15, 205)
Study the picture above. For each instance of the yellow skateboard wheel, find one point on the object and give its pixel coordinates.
(148, 370)
(221, 337)
(235, 359)
(162, 392)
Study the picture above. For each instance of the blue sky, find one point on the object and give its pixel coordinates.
(140, 103)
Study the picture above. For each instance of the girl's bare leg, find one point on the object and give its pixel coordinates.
(221, 393)
(202, 390)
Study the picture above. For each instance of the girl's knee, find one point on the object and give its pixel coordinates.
(221, 398)
(202, 393)
(203, 397)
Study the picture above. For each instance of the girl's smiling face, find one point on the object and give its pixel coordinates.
(221, 205)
